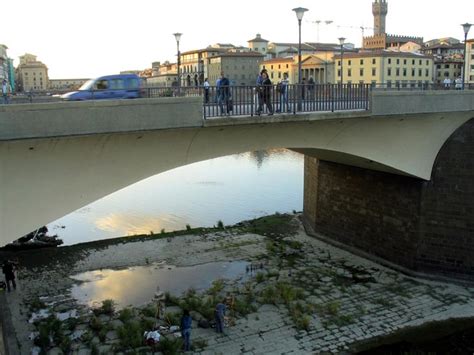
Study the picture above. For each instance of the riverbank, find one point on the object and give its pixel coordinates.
(306, 296)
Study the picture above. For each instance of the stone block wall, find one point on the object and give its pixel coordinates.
(424, 226)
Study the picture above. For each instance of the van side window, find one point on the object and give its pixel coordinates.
(132, 84)
(117, 84)
(102, 85)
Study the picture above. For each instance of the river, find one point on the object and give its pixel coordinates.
(228, 189)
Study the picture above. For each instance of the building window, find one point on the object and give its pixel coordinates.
(374, 60)
(398, 61)
(349, 62)
(413, 72)
(427, 62)
(419, 72)
(361, 62)
(397, 72)
(404, 71)
(271, 75)
(349, 72)
(279, 75)
(339, 63)
(389, 60)
(427, 72)
(420, 62)
(339, 72)
(361, 72)
(404, 61)
(271, 67)
(446, 66)
(389, 72)
(413, 62)
(374, 71)
(438, 66)
(287, 66)
(279, 66)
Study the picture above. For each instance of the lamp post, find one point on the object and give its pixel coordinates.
(341, 41)
(466, 27)
(299, 15)
(177, 35)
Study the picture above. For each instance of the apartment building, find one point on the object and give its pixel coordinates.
(318, 66)
(469, 64)
(241, 68)
(389, 68)
(32, 74)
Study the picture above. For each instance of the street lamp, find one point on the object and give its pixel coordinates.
(341, 41)
(466, 27)
(177, 35)
(299, 15)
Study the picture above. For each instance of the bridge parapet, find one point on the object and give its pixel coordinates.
(384, 103)
(97, 117)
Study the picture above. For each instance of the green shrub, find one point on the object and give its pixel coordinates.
(126, 314)
(95, 324)
(173, 318)
(220, 224)
(260, 277)
(170, 346)
(216, 287)
(108, 307)
(188, 227)
(130, 335)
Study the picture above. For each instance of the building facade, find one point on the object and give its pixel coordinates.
(240, 68)
(389, 68)
(319, 67)
(165, 74)
(32, 74)
(447, 68)
(194, 64)
(66, 84)
(469, 62)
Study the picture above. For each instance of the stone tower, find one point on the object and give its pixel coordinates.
(379, 9)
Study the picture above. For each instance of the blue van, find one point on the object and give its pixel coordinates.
(123, 86)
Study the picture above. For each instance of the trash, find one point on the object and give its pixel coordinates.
(203, 323)
(174, 328)
(177, 335)
(152, 337)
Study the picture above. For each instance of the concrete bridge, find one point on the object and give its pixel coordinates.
(380, 180)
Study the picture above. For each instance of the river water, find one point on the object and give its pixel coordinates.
(230, 189)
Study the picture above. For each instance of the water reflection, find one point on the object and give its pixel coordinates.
(231, 189)
(136, 286)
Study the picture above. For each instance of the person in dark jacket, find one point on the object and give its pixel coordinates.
(8, 270)
(265, 94)
(224, 94)
(219, 314)
(186, 323)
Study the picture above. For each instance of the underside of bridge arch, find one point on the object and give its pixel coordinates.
(425, 227)
(43, 179)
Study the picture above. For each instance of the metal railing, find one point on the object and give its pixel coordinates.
(251, 100)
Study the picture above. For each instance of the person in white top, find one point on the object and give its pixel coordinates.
(206, 91)
(447, 83)
(458, 83)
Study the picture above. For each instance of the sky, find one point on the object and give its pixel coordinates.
(91, 38)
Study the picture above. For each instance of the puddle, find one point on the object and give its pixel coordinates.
(136, 286)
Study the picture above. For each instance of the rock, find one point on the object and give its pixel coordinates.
(116, 323)
(55, 351)
(196, 315)
(173, 309)
(105, 349)
(104, 318)
(84, 351)
(111, 335)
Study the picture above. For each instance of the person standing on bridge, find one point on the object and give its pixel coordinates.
(283, 90)
(224, 94)
(266, 94)
(206, 91)
(6, 91)
(8, 269)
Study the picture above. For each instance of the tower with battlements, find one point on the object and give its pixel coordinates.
(379, 10)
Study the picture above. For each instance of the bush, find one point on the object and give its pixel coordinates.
(108, 307)
(95, 324)
(220, 224)
(130, 335)
(126, 314)
(171, 346)
(260, 277)
(188, 227)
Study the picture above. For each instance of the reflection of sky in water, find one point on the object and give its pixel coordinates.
(230, 189)
(137, 286)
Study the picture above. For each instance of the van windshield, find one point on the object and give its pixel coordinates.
(87, 85)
